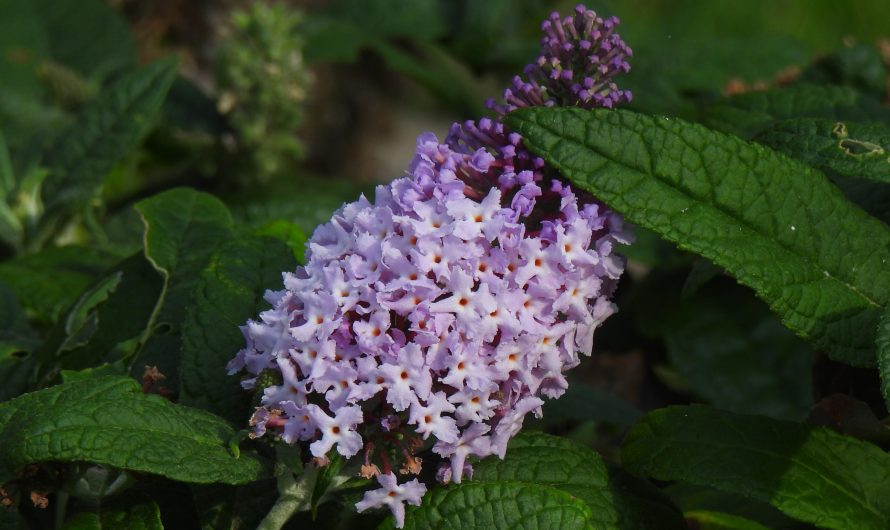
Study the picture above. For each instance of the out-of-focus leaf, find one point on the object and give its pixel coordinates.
(229, 292)
(48, 282)
(306, 202)
(810, 473)
(288, 233)
(103, 134)
(83, 320)
(766, 219)
(672, 75)
(223, 507)
(691, 498)
(121, 320)
(737, 356)
(707, 520)
(130, 514)
(347, 26)
(436, 71)
(87, 35)
(747, 114)
(16, 338)
(583, 402)
(109, 421)
(873, 197)
(860, 67)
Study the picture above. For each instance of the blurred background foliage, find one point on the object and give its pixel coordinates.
(284, 110)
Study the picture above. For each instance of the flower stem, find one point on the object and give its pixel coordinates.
(294, 495)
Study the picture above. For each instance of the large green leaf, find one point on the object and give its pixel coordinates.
(229, 293)
(183, 228)
(107, 420)
(846, 148)
(48, 282)
(129, 513)
(770, 221)
(539, 467)
(810, 473)
(747, 114)
(104, 133)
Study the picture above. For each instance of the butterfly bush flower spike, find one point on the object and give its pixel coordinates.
(445, 310)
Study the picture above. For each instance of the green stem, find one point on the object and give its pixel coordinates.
(294, 495)
(61, 508)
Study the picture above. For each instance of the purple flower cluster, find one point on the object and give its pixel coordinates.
(580, 55)
(444, 310)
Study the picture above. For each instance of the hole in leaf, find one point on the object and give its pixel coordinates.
(860, 148)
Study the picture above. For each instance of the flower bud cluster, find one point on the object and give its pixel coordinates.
(580, 55)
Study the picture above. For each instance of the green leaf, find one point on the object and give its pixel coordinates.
(583, 402)
(103, 134)
(16, 338)
(846, 148)
(120, 321)
(747, 114)
(736, 355)
(11, 520)
(707, 520)
(83, 319)
(347, 26)
(768, 220)
(860, 67)
(183, 228)
(672, 75)
(71, 270)
(288, 233)
(103, 370)
(810, 473)
(883, 347)
(229, 292)
(691, 498)
(326, 480)
(498, 505)
(7, 176)
(544, 482)
(303, 200)
(130, 513)
(87, 35)
(615, 501)
(223, 507)
(109, 421)
(16, 334)
(871, 196)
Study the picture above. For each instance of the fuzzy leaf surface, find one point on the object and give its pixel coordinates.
(107, 420)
